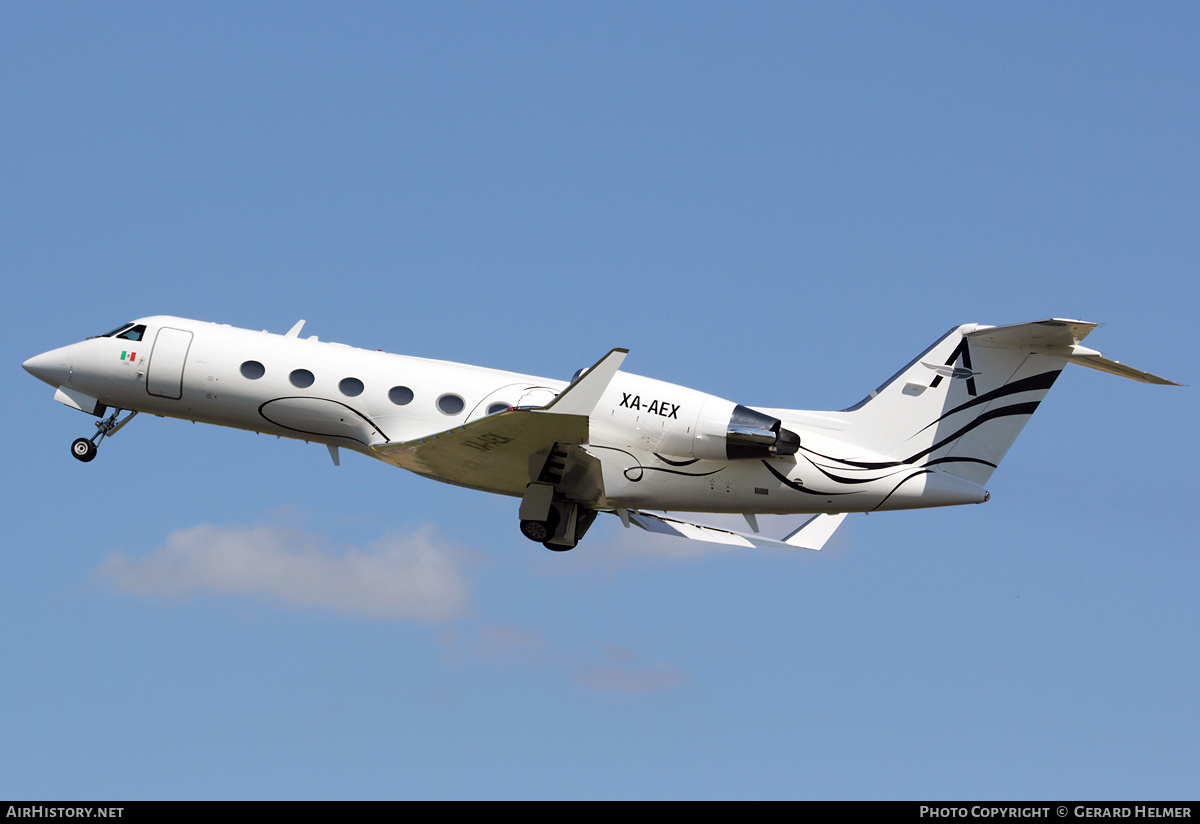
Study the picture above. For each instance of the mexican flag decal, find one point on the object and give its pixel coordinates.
(129, 356)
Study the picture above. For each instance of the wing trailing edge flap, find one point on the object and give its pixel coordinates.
(499, 453)
(812, 534)
(1060, 338)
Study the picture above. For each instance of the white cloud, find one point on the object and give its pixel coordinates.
(621, 671)
(403, 575)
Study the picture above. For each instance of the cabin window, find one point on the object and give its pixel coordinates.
(253, 370)
(133, 334)
(497, 407)
(400, 395)
(301, 378)
(450, 404)
(351, 387)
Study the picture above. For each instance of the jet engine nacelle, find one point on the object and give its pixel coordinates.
(751, 434)
(724, 430)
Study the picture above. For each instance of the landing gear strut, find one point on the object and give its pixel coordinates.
(546, 518)
(557, 534)
(84, 449)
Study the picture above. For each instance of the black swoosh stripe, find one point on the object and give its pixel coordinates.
(783, 479)
(629, 469)
(1031, 384)
(642, 468)
(1004, 412)
(937, 461)
(902, 483)
(670, 462)
(369, 422)
(843, 480)
(857, 464)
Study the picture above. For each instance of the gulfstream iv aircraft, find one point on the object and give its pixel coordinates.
(607, 441)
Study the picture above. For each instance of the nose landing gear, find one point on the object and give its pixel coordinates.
(84, 449)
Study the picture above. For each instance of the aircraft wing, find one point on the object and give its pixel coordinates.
(504, 452)
(812, 534)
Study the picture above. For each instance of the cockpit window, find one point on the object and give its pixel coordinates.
(114, 332)
(133, 334)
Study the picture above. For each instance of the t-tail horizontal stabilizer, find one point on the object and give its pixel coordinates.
(1060, 338)
(813, 534)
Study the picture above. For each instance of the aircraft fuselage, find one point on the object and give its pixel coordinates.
(660, 445)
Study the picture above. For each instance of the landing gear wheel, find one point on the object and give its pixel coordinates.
(83, 449)
(535, 530)
(556, 547)
(541, 531)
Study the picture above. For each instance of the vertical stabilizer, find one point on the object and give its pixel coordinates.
(959, 405)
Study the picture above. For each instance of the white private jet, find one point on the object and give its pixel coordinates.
(607, 441)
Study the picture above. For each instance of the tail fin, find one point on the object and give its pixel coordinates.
(962, 402)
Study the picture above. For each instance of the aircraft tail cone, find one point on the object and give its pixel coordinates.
(944, 489)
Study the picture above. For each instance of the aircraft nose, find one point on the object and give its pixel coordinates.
(50, 367)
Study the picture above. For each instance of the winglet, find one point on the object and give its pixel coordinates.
(581, 397)
(295, 330)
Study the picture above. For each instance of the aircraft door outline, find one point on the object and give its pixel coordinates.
(164, 372)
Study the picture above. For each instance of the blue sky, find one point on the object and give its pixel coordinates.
(777, 203)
